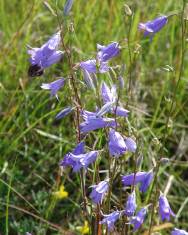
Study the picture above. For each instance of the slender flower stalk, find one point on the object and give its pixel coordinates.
(183, 34)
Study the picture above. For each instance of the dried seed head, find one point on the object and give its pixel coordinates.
(127, 10)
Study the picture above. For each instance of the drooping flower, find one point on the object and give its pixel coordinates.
(99, 191)
(130, 206)
(177, 231)
(130, 144)
(53, 86)
(64, 113)
(138, 220)
(116, 143)
(92, 122)
(104, 54)
(133, 178)
(105, 109)
(84, 229)
(83, 160)
(47, 54)
(109, 94)
(164, 208)
(146, 181)
(67, 161)
(110, 220)
(61, 193)
(120, 111)
(89, 65)
(153, 26)
(78, 159)
(144, 178)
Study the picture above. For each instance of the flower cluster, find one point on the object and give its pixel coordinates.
(107, 116)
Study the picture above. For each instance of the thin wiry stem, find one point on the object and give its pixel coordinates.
(183, 28)
(77, 101)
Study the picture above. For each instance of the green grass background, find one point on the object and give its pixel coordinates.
(32, 144)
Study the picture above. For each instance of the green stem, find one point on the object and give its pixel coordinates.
(168, 119)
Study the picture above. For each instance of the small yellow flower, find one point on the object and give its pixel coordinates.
(84, 229)
(61, 193)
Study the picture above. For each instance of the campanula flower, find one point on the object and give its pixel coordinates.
(110, 219)
(87, 114)
(177, 231)
(153, 26)
(120, 111)
(89, 65)
(92, 122)
(138, 220)
(116, 143)
(99, 191)
(67, 161)
(48, 54)
(109, 94)
(164, 208)
(104, 109)
(130, 206)
(146, 181)
(144, 178)
(78, 159)
(83, 160)
(53, 86)
(132, 178)
(130, 144)
(104, 54)
(64, 113)
(92, 67)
